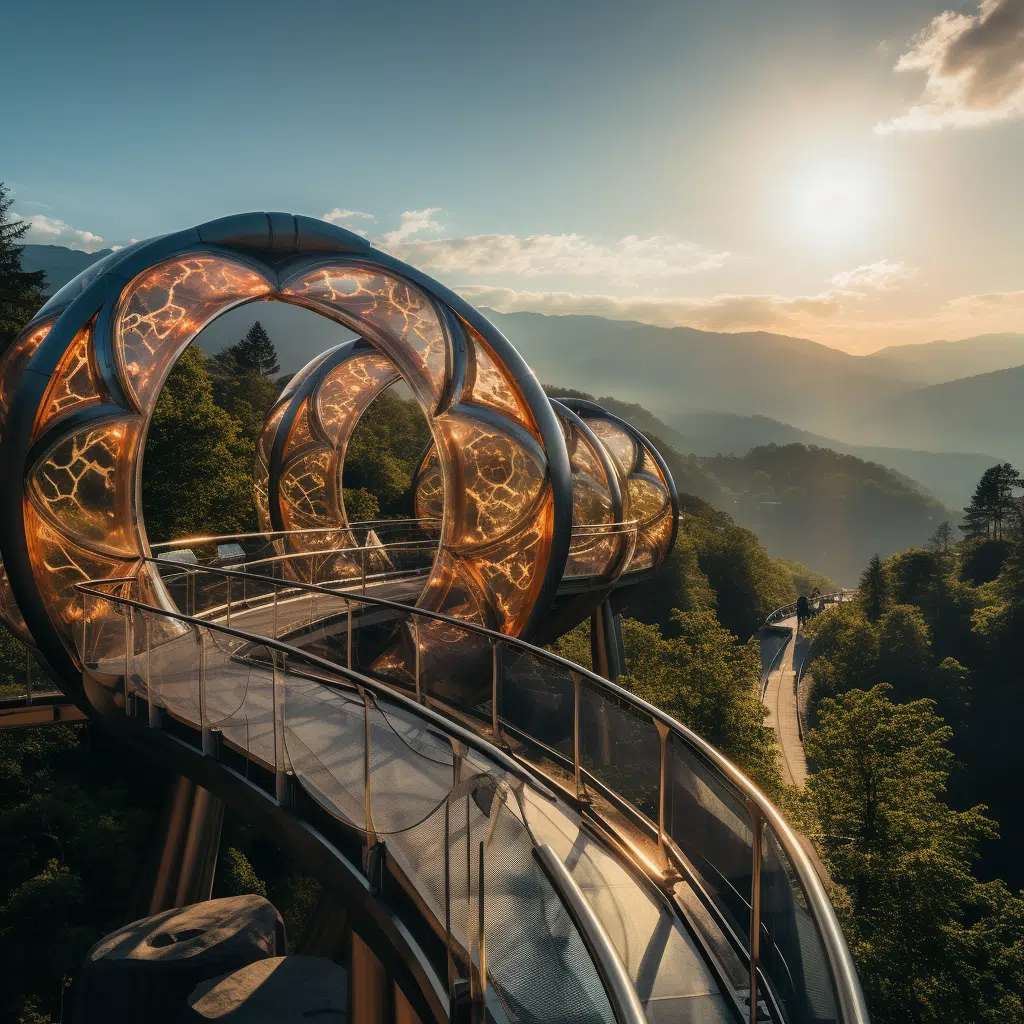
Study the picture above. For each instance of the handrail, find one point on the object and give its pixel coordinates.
(270, 534)
(607, 964)
(621, 992)
(464, 735)
(848, 992)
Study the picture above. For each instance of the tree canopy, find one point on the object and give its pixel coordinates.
(21, 292)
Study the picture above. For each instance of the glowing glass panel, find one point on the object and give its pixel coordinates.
(167, 306)
(75, 486)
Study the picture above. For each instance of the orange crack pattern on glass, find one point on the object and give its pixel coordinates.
(428, 488)
(501, 480)
(75, 486)
(60, 564)
(73, 385)
(168, 305)
(591, 553)
(405, 323)
(347, 391)
(491, 387)
(13, 363)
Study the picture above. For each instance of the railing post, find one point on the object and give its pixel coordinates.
(275, 613)
(448, 900)
(362, 558)
(482, 969)
(663, 734)
(757, 827)
(496, 689)
(129, 653)
(348, 635)
(577, 682)
(416, 657)
(277, 692)
(203, 726)
(85, 659)
(371, 837)
(154, 711)
(229, 600)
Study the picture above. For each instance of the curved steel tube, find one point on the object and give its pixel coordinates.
(621, 992)
(848, 991)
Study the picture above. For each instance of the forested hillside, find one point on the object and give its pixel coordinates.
(829, 510)
(917, 697)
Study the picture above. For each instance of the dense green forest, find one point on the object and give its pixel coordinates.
(916, 701)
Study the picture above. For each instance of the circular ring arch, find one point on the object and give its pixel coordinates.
(78, 409)
(649, 492)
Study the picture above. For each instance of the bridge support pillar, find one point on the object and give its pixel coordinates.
(606, 653)
(188, 857)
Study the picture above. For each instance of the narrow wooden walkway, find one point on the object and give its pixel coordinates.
(781, 698)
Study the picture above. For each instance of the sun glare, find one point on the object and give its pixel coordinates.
(835, 206)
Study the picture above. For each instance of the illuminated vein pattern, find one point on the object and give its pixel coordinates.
(80, 515)
(490, 483)
(74, 487)
(487, 481)
(167, 306)
(73, 385)
(401, 317)
(491, 387)
(646, 493)
(428, 488)
(12, 365)
(592, 552)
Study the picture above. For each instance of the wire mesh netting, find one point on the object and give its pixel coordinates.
(537, 698)
(711, 824)
(792, 952)
(620, 746)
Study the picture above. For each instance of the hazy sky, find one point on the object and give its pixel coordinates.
(851, 171)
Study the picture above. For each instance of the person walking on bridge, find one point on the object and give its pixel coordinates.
(801, 611)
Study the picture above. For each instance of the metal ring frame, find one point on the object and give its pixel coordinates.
(80, 384)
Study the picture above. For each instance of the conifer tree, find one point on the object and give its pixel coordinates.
(256, 354)
(874, 589)
(20, 290)
(993, 512)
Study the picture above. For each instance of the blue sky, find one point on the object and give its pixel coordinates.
(847, 171)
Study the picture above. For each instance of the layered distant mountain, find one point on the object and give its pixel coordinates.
(58, 263)
(938, 361)
(813, 393)
(951, 476)
(983, 412)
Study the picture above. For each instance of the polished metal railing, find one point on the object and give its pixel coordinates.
(610, 749)
(448, 803)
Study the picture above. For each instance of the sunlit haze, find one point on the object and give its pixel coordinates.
(812, 169)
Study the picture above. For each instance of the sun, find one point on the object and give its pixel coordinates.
(834, 206)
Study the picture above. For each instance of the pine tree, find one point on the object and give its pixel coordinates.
(255, 353)
(874, 589)
(942, 539)
(993, 510)
(20, 291)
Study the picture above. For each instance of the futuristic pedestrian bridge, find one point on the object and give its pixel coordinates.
(502, 835)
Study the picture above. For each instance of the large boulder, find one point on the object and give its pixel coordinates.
(146, 970)
(281, 990)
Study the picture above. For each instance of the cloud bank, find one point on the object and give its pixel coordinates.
(51, 231)
(974, 65)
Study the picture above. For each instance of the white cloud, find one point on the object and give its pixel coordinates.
(51, 231)
(413, 222)
(627, 259)
(715, 313)
(349, 219)
(882, 275)
(975, 69)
